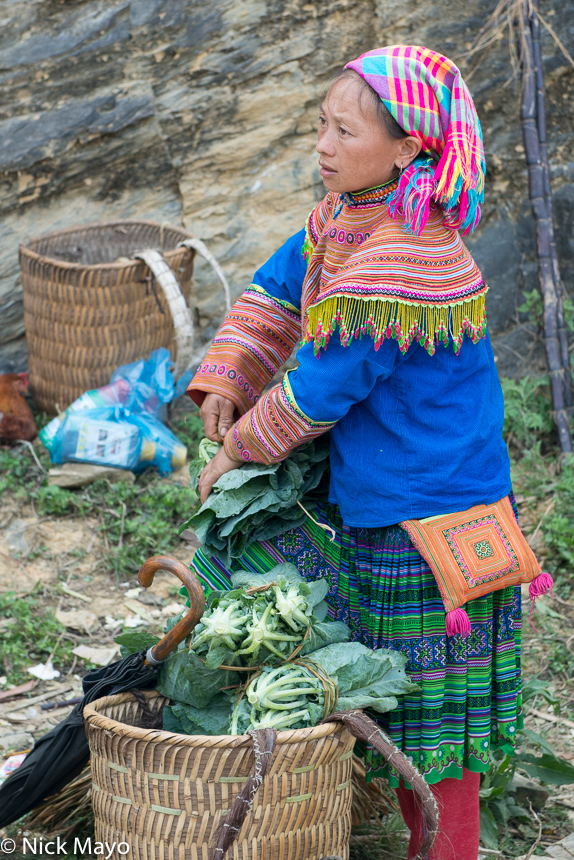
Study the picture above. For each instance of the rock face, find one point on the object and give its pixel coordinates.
(203, 114)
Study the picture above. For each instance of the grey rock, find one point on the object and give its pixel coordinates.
(82, 474)
(68, 34)
(25, 141)
(15, 741)
(497, 254)
(527, 791)
(563, 850)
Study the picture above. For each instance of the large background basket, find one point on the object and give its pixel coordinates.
(166, 794)
(88, 307)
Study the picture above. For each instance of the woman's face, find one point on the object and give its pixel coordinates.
(355, 151)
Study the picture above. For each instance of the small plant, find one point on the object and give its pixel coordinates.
(532, 306)
(535, 757)
(559, 524)
(29, 633)
(527, 411)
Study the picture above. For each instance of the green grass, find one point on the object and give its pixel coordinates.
(31, 636)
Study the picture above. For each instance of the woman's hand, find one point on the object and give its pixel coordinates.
(217, 467)
(217, 412)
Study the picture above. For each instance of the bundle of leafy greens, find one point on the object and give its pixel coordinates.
(257, 502)
(349, 674)
(260, 623)
(263, 620)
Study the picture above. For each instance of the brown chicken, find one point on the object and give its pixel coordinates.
(16, 419)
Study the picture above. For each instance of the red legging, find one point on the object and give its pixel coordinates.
(459, 818)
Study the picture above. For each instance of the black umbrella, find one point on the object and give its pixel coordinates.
(63, 752)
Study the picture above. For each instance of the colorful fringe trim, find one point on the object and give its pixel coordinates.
(388, 317)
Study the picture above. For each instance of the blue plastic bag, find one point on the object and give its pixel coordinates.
(117, 437)
(119, 425)
(151, 382)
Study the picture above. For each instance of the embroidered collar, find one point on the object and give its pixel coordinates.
(371, 196)
(366, 199)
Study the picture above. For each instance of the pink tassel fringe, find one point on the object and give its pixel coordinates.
(542, 584)
(539, 586)
(457, 623)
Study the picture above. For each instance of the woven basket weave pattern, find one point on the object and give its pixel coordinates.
(85, 314)
(165, 794)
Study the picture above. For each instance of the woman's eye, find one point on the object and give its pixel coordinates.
(342, 130)
(322, 120)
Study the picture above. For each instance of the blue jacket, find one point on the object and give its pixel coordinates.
(415, 435)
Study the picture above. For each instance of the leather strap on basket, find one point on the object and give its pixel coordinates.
(182, 318)
(199, 246)
(365, 729)
(226, 834)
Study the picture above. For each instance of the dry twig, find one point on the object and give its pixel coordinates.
(535, 845)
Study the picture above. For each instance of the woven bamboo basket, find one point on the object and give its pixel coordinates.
(166, 794)
(88, 307)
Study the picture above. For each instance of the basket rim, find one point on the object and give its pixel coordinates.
(27, 251)
(93, 716)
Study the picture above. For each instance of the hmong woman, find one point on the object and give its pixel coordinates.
(380, 288)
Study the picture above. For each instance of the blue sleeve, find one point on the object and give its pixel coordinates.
(325, 387)
(283, 274)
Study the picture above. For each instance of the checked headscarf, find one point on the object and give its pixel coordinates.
(425, 93)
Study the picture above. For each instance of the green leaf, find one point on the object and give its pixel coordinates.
(183, 677)
(535, 687)
(547, 768)
(170, 722)
(248, 579)
(257, 502)
(320, 611)
(365, 678)
(319, 589)
(538, 741)
(325, 633)
(488, 828)
(211, 720)
(216, 656)
(133, 641)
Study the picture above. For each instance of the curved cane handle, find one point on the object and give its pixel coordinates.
(196, 603)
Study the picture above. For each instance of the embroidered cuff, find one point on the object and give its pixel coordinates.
(273, 428)
(257, 337)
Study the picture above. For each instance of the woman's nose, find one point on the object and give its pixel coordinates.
(324, 145)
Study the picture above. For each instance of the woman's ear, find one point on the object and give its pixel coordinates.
(408, 150)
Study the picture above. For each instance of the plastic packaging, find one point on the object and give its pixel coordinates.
(11, 764)
(120, 438)
(118, 425)
(160, 446)
(102, 436)
(142, 387)
(150, 382)
(97, 398)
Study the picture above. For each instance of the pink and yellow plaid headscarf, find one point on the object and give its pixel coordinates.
(425, 93)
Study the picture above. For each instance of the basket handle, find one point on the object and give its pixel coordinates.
(365, 729)
(195, 244)
(182, 319)
(183, 628)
